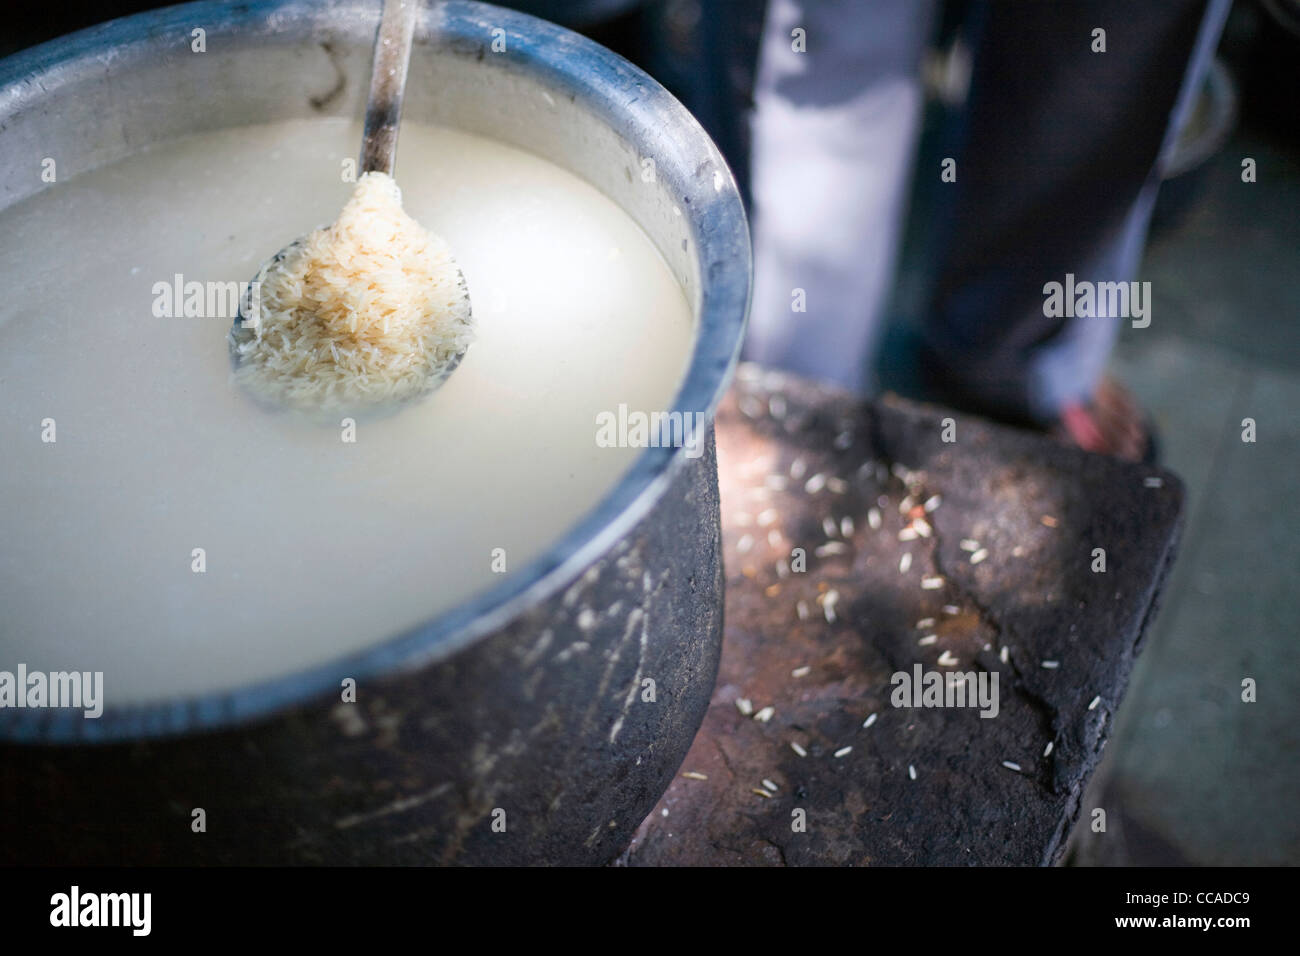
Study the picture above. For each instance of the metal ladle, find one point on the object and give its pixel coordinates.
(392, 58)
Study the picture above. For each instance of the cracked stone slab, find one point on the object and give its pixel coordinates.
(802, 466)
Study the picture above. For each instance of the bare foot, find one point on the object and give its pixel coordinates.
(1110, 424)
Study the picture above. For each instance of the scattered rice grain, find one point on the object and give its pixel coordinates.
(828, 605)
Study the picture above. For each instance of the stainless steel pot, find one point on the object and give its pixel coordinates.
(503, 710)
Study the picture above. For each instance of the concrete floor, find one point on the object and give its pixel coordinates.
(1195, 774)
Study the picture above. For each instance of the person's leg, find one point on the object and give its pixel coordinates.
(833, 140)
(1058, 176)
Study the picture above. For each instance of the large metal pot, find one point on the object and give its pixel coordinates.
(504, 709)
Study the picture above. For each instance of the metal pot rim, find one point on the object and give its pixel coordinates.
(711, 202)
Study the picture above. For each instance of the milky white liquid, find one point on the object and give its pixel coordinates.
(314, 547)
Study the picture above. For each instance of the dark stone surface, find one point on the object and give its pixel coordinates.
(1035, 595)
(545, 719)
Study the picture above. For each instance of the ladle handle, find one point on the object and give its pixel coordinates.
(388, 85)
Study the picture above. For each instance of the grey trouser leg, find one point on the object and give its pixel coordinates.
(833, 144)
